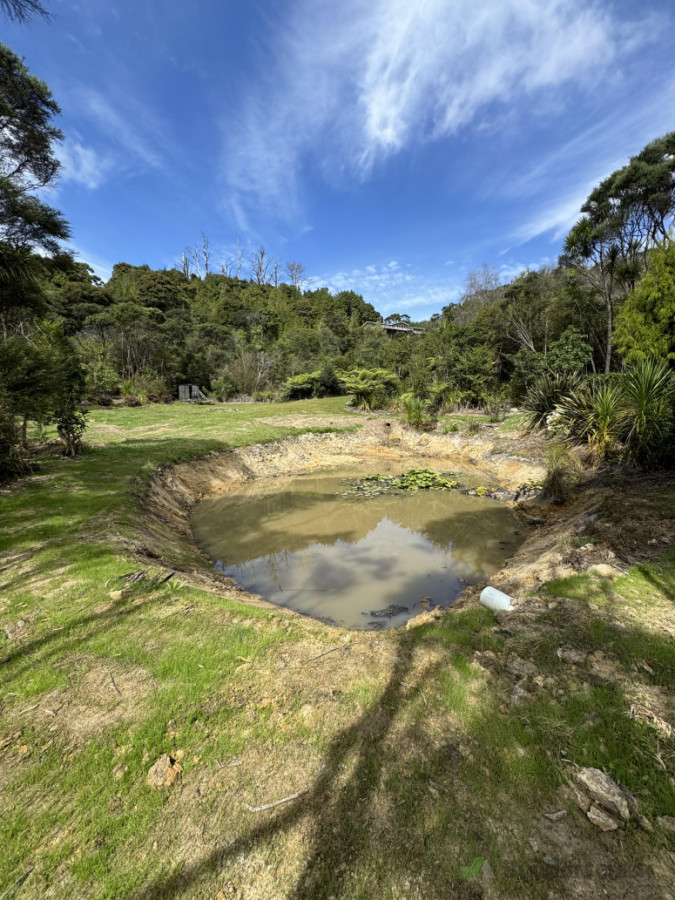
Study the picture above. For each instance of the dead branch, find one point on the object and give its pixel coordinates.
(325, 653)
(112, 681)
(276, 803)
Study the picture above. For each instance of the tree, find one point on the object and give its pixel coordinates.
(645, 325)
(27, 158)
(591, 250)
(23, 10)
(259, 266)
(296, 272)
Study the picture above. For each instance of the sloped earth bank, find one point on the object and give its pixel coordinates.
(173, 492)
(453, 742)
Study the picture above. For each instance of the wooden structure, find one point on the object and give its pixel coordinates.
(393, 327)
(190, 393)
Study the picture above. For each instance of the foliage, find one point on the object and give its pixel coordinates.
(593, 413)
(497, 405)
(70, 421)
(629, 415)
(369, 486)
(649, 397)
(544, 395)
(416, 413)
(562, 473)
(645, 325)
(371, 388)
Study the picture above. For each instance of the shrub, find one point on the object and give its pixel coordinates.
(562, 473)
(544, 395)
(415, 413)
(300, 387)
(70, 423)
(649, 395)
(474, 427)
(497, 406)
(223, 386)
(372, 388)
(132, 400)
(593, 413)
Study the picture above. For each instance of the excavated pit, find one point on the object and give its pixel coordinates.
(174, 492)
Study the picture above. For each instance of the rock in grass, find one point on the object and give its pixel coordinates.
(667, 823)
(571, 655)
(119, 771)
(602, 819)
(604, 792)
(164, 773)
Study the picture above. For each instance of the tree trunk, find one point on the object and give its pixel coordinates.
(608, 346)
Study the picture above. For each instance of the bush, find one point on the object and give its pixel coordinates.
(70, 421)
(595, 414)
(223, 387)
(649, 395)
(301, 387)
(497, 406)
(131, 400)
(372, 388)
(544, 395)
(415, 413)
(562, 473)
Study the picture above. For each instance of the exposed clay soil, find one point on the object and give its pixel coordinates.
(506, 460)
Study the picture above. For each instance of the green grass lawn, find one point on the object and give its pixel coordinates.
(414, 761)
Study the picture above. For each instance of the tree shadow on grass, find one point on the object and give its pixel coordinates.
(340, 812)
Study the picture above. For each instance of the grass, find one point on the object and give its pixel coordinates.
(243, 699)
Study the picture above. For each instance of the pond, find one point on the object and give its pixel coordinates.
(359, 562)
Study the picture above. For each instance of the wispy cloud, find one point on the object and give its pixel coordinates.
(391, 287)
(127, 123)
(83, 165)
(352, 84)
(566, 176)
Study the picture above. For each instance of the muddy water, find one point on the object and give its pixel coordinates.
(297, 543)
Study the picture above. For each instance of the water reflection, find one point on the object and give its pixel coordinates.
(299, 545)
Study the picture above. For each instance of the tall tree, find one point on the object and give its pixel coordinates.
(23, 10)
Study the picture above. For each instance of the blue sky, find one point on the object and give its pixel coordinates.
(390, 146)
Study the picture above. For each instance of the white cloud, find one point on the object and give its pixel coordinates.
(566, 177)
(393, 288)
(348, 85)
(82, 164)
(127, 123)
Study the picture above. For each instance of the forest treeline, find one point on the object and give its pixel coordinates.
(67, 338)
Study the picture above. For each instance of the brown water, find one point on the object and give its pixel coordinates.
(297, 544)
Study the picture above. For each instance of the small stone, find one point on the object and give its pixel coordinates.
(601, 819)
(667, 823)
(571, 655)
(119, 771)
(164, 773)
(604, 791)
(120, 595)
(556, 816)
(521, 667)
